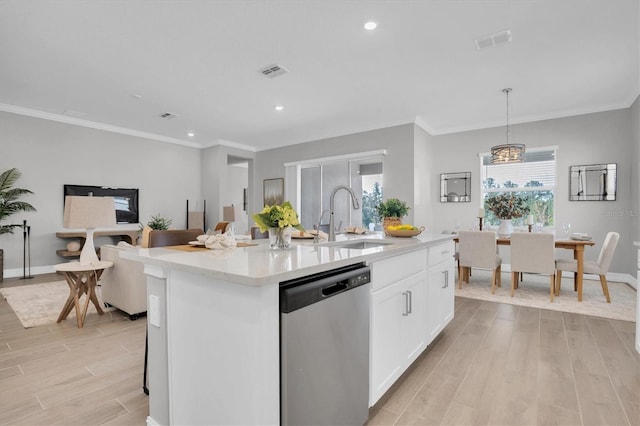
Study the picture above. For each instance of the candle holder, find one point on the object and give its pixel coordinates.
(480, 220)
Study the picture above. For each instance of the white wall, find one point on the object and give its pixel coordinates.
(50, 154)
(586, 139)
(426, 184)
(635, 171)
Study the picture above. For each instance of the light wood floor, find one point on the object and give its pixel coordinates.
(494, 364)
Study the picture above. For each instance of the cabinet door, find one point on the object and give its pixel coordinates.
(414, 307)
(386, 324)
(440, 298)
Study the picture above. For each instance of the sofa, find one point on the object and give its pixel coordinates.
(124, 286)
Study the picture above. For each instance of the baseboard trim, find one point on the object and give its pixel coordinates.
(36, 270)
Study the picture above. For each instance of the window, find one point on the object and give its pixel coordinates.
(533, 180)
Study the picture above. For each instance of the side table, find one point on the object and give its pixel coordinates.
(82, 279)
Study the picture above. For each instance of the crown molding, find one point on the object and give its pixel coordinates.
(230, 144)
(536, 117)
(94, 125)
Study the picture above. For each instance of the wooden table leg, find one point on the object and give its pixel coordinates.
(79, 284)
(71, 279)
(578, 255)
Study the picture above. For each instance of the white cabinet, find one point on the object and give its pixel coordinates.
(412, 300)
(440, 288)
(398, 315)
(440, 297)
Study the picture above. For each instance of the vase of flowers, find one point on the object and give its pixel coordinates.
(279, 221)
(506, 207)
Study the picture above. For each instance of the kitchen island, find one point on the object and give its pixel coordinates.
(214, 320)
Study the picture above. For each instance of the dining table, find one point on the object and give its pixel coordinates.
(578, 254)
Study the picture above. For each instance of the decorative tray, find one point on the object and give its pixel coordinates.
(404, 233)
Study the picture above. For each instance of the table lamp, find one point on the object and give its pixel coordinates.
(231, 214)
(89, 213)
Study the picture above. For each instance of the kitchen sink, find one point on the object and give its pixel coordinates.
(360, 245)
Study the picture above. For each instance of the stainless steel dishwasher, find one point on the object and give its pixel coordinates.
(324, 348)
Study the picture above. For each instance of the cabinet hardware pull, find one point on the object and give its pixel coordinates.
(446, 279)
(445, 251)
(410, 301)
(406, 304)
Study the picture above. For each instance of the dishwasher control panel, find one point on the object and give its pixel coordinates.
(304, 291)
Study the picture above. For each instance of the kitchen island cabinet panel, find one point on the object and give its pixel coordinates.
(398, 317)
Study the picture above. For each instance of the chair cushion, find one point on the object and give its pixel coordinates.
(590, 267)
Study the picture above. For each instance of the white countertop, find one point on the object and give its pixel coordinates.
(259, 265)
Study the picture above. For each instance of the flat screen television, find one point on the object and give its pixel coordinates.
(126, 199)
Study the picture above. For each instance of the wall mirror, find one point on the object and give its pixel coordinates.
(455, 187)
(593, 182)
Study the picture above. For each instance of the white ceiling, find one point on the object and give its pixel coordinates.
(200, 60)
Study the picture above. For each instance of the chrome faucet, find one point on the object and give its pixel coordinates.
(316, 237)
(354, 201)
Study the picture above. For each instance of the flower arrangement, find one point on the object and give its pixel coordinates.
(506, 206)
(277, 216)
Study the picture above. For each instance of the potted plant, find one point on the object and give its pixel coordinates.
(158, 223)
(391, 211)
(10, 204)
(505, 207)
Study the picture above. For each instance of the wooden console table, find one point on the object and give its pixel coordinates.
(128, 235)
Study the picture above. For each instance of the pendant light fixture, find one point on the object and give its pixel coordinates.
(507, 153)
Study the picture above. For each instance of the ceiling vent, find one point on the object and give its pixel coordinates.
(273, 71)
(493, 40)
(168, 115)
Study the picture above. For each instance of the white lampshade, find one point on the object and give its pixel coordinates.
(89, 213)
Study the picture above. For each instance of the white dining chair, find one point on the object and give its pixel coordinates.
(599, 267)
(532, 253)
(478, 249)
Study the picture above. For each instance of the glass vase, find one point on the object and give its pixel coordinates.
(280, 238)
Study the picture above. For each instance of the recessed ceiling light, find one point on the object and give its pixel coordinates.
(370, 26)
(191, 134)
(278, 107)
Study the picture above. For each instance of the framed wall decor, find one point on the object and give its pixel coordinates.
(455, 187)
(273, 191)
(593, 182)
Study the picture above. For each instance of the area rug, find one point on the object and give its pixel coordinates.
(534, 292)
(40, 304)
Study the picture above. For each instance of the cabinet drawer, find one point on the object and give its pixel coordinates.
(388, 271)
(441, 252)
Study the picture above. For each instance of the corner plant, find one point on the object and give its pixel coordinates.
(392, 208)
(159, 223)
(9, 199)
(277, 216)
(506, 206)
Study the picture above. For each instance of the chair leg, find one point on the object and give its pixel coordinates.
(467, 274)
(460, 272)
(514, 280)
(499, 276)
(575, 281)
(552, 285)
(605, 287)
(494, 278)
(558, 282)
